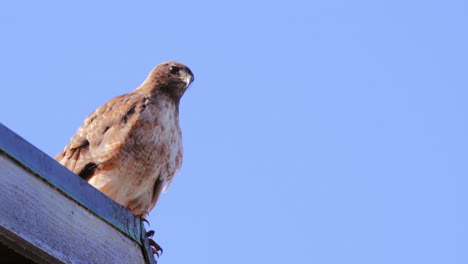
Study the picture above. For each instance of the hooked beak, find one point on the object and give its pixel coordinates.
(188, 78)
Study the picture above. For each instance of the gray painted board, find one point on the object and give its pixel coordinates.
(34, 211)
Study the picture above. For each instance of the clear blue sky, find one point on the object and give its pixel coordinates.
(315, 131)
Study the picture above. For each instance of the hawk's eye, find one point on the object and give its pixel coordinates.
(174, 69)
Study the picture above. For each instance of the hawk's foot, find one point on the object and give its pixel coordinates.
(155, 248)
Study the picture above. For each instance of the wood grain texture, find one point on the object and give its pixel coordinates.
(34, 211)
(43, 166)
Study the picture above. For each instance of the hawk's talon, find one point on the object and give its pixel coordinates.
(150, 233)
(144, 220)
(143, 215)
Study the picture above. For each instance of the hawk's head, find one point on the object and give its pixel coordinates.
(169, 77)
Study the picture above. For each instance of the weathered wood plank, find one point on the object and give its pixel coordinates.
(35, 211)
(73, 186)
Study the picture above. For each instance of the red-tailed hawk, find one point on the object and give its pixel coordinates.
(131, 147)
